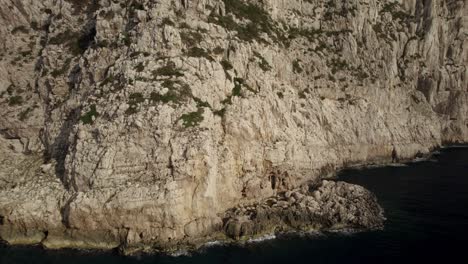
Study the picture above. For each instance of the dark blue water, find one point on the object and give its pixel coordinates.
(426, 204)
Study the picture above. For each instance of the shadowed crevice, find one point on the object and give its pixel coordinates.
(59, 149)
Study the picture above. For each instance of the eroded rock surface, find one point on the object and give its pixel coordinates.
(332, 205)
(140, 123)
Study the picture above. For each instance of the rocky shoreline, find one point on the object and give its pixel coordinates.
(331, 205)
(325, 205)
(164, 124)
(322, 205)
(318, 205)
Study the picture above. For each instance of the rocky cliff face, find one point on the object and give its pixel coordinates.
(143, 122)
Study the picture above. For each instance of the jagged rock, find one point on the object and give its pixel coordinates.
(342, 205)
(158, 116)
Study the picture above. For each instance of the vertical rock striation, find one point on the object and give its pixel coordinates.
(146, 123)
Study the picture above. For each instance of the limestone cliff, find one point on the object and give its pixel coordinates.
(145, 122)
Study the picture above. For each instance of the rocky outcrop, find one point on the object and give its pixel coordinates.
(330, 206)
(143, 122)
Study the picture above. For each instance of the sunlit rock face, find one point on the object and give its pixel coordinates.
(141, 124)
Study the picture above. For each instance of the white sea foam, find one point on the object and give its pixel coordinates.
(373, 166)
(398, 165)
(416, 160)
(261, 239)
(314, 233)
(213, 244)
(180, 253)
(346, 231)
(454, 146)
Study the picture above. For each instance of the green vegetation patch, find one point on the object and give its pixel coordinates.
(220, 112)
(218, 50)
(226, 65)
(192, 119)
(134, 100)
(169, 69)
(239, 83)
(19, 29)
(136, 5)
(64, 69)
(178, 92)
(263, 63)
(338, 65)
(199, 53)
(25, 114)
(15, 100)
(297, 66)
(126, 39)
(140, 67)
(167, 21)
(255, 20)
(201, 103)
(395, 9)
(191, 38)
(170, 96)
(84, 5)
(88, 117)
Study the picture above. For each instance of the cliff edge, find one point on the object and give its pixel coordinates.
(160, 124)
